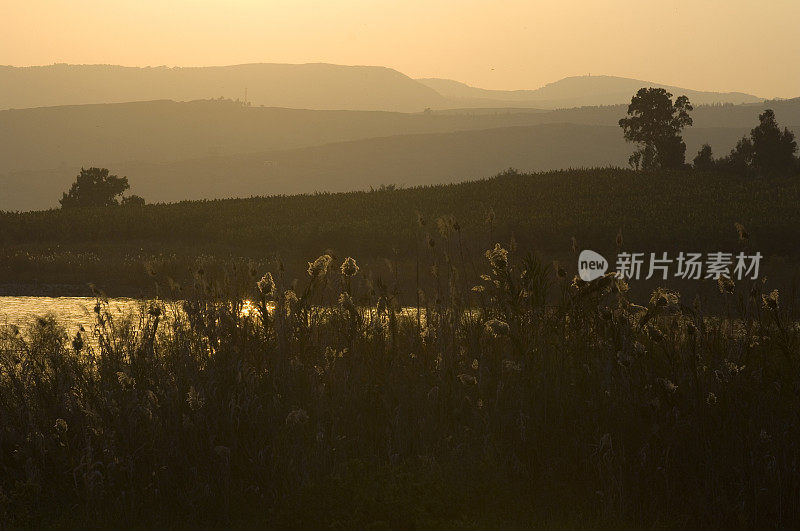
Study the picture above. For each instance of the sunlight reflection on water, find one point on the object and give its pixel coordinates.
(72, 312)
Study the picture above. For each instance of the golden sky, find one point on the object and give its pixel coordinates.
(722, 45)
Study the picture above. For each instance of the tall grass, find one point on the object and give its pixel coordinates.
(529, 397)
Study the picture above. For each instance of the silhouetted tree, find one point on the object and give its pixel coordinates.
(94, 187)
(773, 149)
(656, 123)
(740, 159)
(133, 200)
(704, 160)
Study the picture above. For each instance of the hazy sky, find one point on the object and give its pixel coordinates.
(724, 45)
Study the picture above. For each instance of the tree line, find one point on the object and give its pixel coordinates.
(655, 123)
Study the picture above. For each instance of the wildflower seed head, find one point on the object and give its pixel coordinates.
(498, 258)
(61, 426)
(194, 399)
(497, 328)
(663, 297)
(578, 282)
(770, 301)
(289, 297)
(267, 285)
(467, 379)
(668, 386)
(319, 267)
(620, 285)
(726, 285)
(740, 230)
(349, 267)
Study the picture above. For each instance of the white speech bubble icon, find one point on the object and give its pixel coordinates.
(591, 265)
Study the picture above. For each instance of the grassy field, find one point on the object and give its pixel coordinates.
(488, 407)
(451, 377)
(119, 249)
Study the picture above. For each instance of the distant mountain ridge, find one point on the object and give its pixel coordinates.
(579, 91)
(306, 86)
(319, 86)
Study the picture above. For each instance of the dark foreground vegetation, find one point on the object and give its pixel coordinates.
(526, 398)
(119, 248)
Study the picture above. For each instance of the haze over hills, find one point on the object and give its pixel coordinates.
(404, 160)
(222, 148)
(306, 86)
(576, 92)
(163, 131)
(212, 149)
(167, 131)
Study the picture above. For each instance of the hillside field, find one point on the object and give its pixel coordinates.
(114, 248)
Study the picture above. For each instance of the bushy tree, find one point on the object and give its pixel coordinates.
(656, 123)
(767, 151)
(704, 160)
(740, 159)
(94, 187)
(773, 149)
(133, 201)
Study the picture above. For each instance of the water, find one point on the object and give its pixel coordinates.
(71, 312)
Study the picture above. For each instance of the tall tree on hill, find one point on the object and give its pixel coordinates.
(655, 123)
(94, 187)
(773, 149)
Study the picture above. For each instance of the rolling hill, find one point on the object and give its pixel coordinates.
(162, 131)
(403, 160)
(211, 149)
(575, 92)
